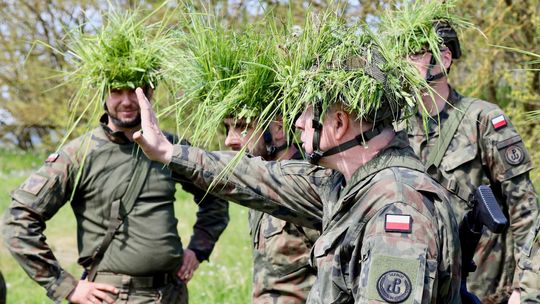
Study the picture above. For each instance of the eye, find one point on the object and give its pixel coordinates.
(243, 133)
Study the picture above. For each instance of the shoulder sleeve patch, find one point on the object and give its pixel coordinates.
(34, 184)
(394, 279)
(398, 223)
(52, 158)
(499, 122)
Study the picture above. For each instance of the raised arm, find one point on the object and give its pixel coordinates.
(289, 190)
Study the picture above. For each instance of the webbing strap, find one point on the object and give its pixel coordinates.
(443, 142)
(447, 133)
(117, 216)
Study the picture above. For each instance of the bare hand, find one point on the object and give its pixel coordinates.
(151, 140)
(92, 293)
(190, 263)
(515, 297)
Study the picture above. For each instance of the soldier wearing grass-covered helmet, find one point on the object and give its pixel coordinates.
(388, 234)
(234, 98)
(127, 233)
(466, 142)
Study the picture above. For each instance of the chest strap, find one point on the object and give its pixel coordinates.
(448, 130)
(117, 216)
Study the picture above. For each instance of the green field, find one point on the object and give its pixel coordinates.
(226, 279)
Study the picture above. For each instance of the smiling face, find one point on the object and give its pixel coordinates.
(123, 109)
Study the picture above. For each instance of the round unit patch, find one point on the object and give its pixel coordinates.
(394, 286)
(514, 155)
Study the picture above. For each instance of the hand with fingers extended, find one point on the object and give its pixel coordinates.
(151, 140)
(90, 292)
(190, 263)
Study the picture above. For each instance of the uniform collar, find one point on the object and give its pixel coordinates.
(117, 137)
(399, 145)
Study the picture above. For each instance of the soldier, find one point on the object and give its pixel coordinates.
(469, 142)
(123, 203)
(281, 270)
(529, 264)
(388, 233)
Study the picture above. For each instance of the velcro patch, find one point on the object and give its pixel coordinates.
(34, 184)
(394, 279)
(397, 223)
(52, 158)
(499, 122)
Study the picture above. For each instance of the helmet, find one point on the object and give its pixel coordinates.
(449, 37)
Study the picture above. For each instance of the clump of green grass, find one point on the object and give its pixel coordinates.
(125, 53)
(409, 28)
(330, 63)
(221, 73)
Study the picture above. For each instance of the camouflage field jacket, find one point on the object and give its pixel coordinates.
(388, 233)
(486, 150)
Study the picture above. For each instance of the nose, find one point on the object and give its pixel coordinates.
(300, 123)
(233, 141)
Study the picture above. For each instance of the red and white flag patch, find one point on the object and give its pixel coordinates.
(397, 223)
(52, 158)
(499, 122)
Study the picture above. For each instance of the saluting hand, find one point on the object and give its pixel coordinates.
(151, 140)
(92, 293)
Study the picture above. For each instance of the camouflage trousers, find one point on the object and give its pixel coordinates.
(164, 289)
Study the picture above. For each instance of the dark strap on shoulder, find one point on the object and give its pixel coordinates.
(117, 215)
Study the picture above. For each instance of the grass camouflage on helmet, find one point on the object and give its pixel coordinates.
(331, 62)
(125, 53)
(223, 73)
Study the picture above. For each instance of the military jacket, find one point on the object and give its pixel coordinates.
(388, 234)
(91, 172)
(486, 149)
(281, 270)
(529, 263)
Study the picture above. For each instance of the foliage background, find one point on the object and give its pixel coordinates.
(34, 111)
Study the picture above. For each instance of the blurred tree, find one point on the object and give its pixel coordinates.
(38, 106)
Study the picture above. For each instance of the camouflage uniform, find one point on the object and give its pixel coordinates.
(142, 259)
(281, 270)
(359, 257)
(529, 264)
(486, 149)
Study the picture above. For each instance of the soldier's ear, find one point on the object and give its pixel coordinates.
(340, 123)
(446, 58)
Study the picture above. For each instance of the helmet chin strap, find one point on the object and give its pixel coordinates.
(317, 153)
(271, 149)
(430, 77)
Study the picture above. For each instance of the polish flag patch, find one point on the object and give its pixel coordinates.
(52, 158)
(397, 223)
(498, 122)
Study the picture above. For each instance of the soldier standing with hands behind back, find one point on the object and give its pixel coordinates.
(123, 203)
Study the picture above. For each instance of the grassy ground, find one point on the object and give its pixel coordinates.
(226, 279)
